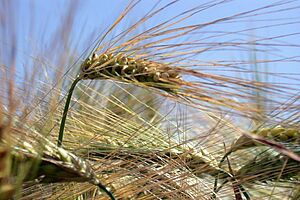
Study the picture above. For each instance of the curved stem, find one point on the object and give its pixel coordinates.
(64, 117)
(104, 189)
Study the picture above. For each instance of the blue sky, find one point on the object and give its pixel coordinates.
(38, 20)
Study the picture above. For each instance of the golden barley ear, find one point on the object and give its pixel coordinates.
(124, 68)
(277, 133)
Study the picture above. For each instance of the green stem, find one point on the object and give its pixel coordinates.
(104, 189)
(64, 117)
(218, 175)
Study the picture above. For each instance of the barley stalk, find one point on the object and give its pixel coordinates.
(125, 69)
(66, 108)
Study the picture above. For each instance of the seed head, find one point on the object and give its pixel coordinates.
(125, 68)
(280, 134)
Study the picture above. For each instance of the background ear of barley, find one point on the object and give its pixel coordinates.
(232, 118)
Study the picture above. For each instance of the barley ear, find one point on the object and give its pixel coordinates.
(127, 69)
(55, 165)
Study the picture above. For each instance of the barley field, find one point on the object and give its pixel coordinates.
(139, 99)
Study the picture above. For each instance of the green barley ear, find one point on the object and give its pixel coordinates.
(54, 164)
(265, 167)
(268, 167)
